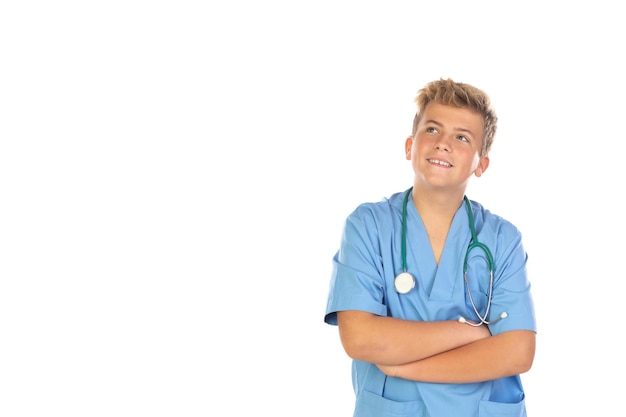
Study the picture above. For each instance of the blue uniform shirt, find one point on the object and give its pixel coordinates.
(364, 269)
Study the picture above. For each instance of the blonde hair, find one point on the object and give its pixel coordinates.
(451, 93)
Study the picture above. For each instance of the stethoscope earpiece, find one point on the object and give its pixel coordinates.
(463, 320)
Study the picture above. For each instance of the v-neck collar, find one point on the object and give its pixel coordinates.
(437, 281)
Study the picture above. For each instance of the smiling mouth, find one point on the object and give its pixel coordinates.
(438, 162)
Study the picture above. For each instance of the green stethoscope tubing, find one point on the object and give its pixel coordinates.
(474, 243)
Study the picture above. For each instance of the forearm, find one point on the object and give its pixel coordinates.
(507, 354)
(392, 341)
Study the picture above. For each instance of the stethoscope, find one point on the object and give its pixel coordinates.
(405, 282)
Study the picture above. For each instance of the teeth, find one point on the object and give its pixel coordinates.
(438, 162)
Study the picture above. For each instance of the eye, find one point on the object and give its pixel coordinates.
(463, 138)
(431, 130)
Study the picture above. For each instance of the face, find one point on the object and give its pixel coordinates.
(445, 150)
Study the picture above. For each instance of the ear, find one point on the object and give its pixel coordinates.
(408, 144)
(483, 164)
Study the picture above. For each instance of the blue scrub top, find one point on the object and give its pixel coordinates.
(363, 275)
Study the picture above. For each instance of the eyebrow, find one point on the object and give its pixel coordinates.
(458, 129)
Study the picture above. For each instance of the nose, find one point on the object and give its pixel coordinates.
(443, 143)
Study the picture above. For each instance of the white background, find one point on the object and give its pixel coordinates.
(174, 177)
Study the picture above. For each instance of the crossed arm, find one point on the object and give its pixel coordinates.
(435, 351)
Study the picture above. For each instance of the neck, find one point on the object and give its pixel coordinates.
(437, 204)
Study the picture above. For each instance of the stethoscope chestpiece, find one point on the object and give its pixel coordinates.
(404, 282)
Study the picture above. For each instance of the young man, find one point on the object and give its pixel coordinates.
(429, 289)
